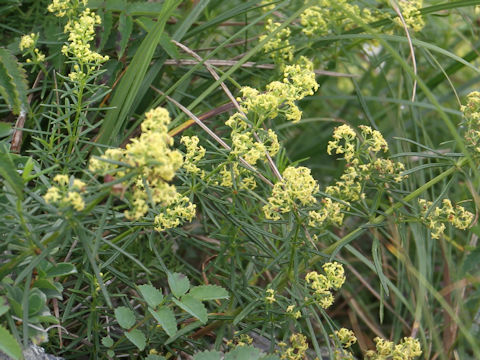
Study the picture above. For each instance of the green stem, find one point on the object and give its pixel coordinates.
(78, 111)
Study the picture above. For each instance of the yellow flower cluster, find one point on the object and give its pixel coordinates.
(240, 340)
(265, 5)
(28, 41)
(471, 113)
(411, 14)
(193, 155)
(298, 82)
(63, 8)
(362, 165)
(408, 349)
(332, 15)
(27, 45)
(322, 285)
(297, 349)
(270, 296)
(152, 167)
(456, 215)
(80, 32)
(245, 146)
(233, 171)
(66, 193)
(346, 337)
(296, 314)
(80, 28)
(278, 46)
(297, 187)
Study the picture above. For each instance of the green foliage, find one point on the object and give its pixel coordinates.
(327, 159)
(239, 353)
(9, 345)
(13, 84)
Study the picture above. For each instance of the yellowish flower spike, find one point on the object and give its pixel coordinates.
(408, 349)
(322, 285)
(66, 193)
(297, 188)
(296, 314)
(240, 340)
(297, 349)
(81, 32)
(328, 16)
(456, 215)
(298, 82)
(345, 336)
(28, 41)
(63, 8)
(411, 14)
(270, 296)
(278, 47)
(153, 168)
(471, 113)
(193, 155)
(80, 28)
(27, 46)
(314, 21)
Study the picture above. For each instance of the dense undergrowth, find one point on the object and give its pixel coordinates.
(240, 180)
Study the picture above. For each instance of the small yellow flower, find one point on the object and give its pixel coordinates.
(153, 167)
(298, 347)
(411, 14)
(346, 337)
(270, 296)
(408, 349)
(52, 195)
(457, 216)
(278, 47)
(322, 285)
(297, 187)
(28, 41)
(295, 314)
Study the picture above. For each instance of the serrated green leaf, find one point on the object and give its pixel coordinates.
(61, 269)
(208, 292)
(125, 26)
(151, 294)
(111, 353)
(9, 345)
(137, 338)
(208, 355)
(8, 171)
(179, 284)
(13, 83)
(193, 306)
(125, 317)
(107, 341)
(244, 353)
(155, 357)
(270, 357)
(166, 318)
